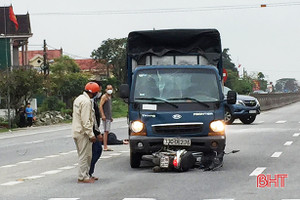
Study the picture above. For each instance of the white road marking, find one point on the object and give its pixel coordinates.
(67, 167)
(35, 133)
(75, 164)
(51, 172)
(64, 199)
(8, 166)
(218, 199)
(35, 142)
(260, 122)
(114, 154)
(276, 154)
(68, 136)
(296, 134)
(25, 162)
(37, 159)
(124, 151)
(64, 153)
(280, 122)
(52, 156)
(258, 171)
(139, 199)
(288, 143)
(34, 177)
(12, 183)
(105, 157)
(73, 151)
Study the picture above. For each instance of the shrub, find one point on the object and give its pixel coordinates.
(52, 103)
(66, 111)
(119, 108)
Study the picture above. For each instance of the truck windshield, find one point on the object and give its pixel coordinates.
(177, 85)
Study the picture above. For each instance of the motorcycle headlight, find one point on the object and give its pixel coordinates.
(217, 126)
(136, 126)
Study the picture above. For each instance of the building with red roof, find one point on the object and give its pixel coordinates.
(36, 57)
(97, 69)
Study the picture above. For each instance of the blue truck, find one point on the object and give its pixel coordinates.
(174, 92)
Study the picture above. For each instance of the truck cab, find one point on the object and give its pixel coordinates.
(174, 92)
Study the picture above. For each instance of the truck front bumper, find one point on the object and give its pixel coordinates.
(148, 145)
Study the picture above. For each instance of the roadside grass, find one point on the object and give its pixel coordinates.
(2, 130)
(119, 108)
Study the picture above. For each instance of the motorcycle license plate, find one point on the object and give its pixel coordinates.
(252, 111)
(177, 141)
(164, 162)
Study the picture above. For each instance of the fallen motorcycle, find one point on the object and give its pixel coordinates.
(181, 160)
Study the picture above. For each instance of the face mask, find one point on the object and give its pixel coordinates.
(98, 95)
(109, 91)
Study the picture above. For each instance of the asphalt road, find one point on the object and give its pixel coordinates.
(41, 163)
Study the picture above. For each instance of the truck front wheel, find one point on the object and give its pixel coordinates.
(228, 116)
(135, 159)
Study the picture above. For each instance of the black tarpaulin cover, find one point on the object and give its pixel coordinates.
(204, 42)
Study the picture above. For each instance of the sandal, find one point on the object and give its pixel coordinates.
(95, 178)
(126, 141)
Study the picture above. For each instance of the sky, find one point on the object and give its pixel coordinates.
(260, 39)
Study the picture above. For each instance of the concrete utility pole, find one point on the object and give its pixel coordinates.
(46, 67)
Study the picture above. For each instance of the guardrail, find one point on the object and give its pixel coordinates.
(275, 100)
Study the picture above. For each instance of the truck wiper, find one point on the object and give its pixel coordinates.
(189, 98)
(158, 99)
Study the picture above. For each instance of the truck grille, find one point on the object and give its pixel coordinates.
(250, 103)
(177, 128)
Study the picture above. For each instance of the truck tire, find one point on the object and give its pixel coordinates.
(228, 116)
(135, 159)
(248, 119)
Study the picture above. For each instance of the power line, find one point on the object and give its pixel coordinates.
(67, 53)
(171, 10)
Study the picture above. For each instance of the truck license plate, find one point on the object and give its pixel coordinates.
(177, 141)
(252, 111)
(164, 162)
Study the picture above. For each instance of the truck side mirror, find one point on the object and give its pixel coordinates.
(231, 97)
(124, 91)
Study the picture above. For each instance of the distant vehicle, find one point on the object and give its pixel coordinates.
(259, 92)
(246, 108)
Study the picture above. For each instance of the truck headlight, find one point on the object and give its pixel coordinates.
(136, 126)
(217, 126)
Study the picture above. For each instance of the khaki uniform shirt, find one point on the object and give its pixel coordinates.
(83, 116)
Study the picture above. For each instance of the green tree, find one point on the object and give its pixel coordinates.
(262, 82)
(64, 65)
(66, 81)
(227, 61)
(232, 78)
(286, 85)
(243, 86)
(232, 72)
(113, 52)
(23, 84)
(73, 86)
